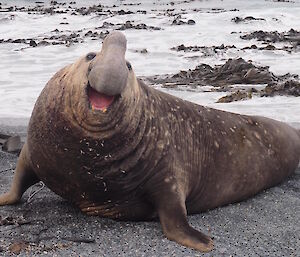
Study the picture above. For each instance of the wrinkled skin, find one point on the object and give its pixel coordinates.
(148, 153)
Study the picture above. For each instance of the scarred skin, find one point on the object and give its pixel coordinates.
(149, 154)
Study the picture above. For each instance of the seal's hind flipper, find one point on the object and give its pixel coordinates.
(24, 178)
(173, 217)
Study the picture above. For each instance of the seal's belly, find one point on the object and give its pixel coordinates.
(96, 196)
(80, 180)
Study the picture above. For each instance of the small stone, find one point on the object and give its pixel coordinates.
(191, 22)
(43, 43)
(32, 43)
(17, 247)
(12, 144)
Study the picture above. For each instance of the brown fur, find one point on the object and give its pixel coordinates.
(149, 154)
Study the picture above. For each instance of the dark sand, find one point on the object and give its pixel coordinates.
(265, 225)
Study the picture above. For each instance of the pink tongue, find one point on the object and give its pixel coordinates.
(99, 101)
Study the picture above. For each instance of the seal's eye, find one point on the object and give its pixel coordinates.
(90, 56)
(128, 65)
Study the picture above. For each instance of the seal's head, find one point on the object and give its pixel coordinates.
(108, 72)
(100, 88)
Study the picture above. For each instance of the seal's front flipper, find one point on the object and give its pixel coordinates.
(24, 178)
(173, 218)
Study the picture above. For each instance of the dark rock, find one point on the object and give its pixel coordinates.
(236, 96)
(89, 10)
(19, 41)
(234, 71)
(89, 33)
(178, 21)
(32, 43)
(106, 25)
(290, 87)
(57, 43)
(191, 22)
(130, 25)
(49, 10)
(207, 50)
(3, 138)
(273, 36)
(126, 25)
(43, 43)
(74, 35)
(250, 47)
(12, 144)
(10, 220)
(17, 247)
(122, 12)
(142, 51)
(253, 90)
(268, 47)
(248, 18)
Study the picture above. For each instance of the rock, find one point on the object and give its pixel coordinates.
(290, 87)
(248, 18)
(191, 22)
(142, 51)
(268, 47)
(206, 50)
(122, 12)
(12, 144)
(236, 96)
(273, 36)
(17, 247)
(19, 41)
(130, 25)
(43, 43)
(32, 43)
(178, 21)
(234, 71)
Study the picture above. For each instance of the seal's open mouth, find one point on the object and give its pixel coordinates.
(99, 101)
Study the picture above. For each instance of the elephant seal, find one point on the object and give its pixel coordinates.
(102, 139)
